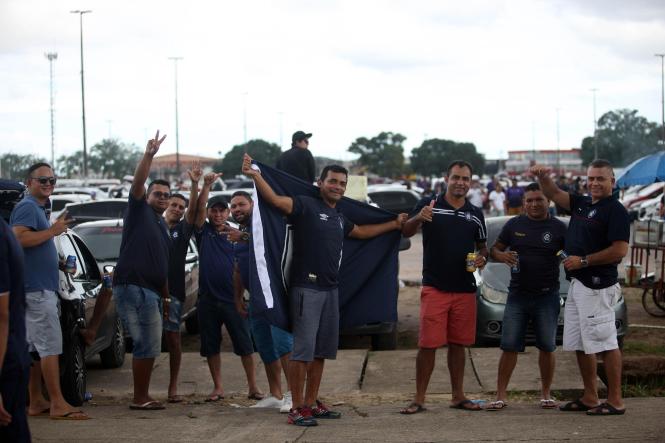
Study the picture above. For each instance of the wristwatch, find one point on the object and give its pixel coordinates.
(584, 262)
(245, 236)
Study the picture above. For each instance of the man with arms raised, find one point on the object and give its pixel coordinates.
(452, 228)
(534, 238)
(319, 233)
(596, 241)
(140, 285)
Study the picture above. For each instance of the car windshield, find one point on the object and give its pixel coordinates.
(103, 241)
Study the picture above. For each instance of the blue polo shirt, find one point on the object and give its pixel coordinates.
(318, 237)
(144, 249)
(593, 227)
(41, 261)
(215, 264)
(11, 280)
(447, 239)
(536, 242)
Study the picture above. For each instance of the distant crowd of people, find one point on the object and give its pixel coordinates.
(148, 285)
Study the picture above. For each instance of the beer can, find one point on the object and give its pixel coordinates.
(515, 269)
(561, 255)
(107, 281)
(70, 264)
(471, 262)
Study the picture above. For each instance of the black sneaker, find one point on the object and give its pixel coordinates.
(301, 417)
(322, 411)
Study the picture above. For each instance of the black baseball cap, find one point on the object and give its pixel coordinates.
(300, 135)
(217, 200)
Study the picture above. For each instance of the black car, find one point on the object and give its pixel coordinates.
(395, 199)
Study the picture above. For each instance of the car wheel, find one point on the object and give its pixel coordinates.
(192, 324)
(74, 373)
(114, 355)
(385, 342)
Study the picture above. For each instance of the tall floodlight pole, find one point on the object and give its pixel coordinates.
(51, 56)
(177, 132)
(662, 94)
(595, 126)
(85, 145)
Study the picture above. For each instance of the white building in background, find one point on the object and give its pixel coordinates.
(563, 161)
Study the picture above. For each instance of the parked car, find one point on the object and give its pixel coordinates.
(110, 209)
(58, 203)
(103, 237)
(393, 198)
(492, 294)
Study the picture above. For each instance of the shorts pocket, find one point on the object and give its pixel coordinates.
(601, 328)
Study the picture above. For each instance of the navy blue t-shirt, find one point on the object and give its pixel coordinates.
(447, 239)
(11, 280)
(180, 235)
(318, 238)
(593, 227)
(536, 243)
(144, 249)
(216, 264)
(241, 256)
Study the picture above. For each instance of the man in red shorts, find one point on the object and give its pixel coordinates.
(452, 228)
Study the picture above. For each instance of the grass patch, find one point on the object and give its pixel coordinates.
(641, 348)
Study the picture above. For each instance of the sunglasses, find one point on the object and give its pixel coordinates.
(45, 180)
(160, 194)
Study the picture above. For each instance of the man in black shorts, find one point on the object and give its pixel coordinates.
(534, 238)
(318, 237)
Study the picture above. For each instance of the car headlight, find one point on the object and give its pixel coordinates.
(493, 295)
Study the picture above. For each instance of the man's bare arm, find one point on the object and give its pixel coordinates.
(29, 238)
(143, 168)
(195, 175)
(202, 201)
(425, 215)
(549, 188)
(282, 203)
(369, 231)
(238, 291)
(610, 255)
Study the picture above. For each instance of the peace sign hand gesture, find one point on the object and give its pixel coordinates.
(196, 172)
(153, 145)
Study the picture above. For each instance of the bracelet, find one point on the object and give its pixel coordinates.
(167, 299)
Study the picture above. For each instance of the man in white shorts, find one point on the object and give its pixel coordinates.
(596, 241)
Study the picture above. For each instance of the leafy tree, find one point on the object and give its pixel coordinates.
(111, 158)
(622, 136)
(15, 166)
(434, 156)
(382, 155)
(260, 150)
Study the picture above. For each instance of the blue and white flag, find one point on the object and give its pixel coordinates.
(368, 274)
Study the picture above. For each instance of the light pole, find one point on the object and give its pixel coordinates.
(177, 130)
(558, 145)
(595, 125)
(51, 56)
(85, 145)
(662, 94)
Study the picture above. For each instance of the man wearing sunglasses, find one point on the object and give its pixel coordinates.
(140, 280)
(298, 161)
(35, 234)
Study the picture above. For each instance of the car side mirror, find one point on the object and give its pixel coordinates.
(404, 243)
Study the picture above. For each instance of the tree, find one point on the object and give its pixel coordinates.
(111, 158)
(258, 149)
(622, 136)
(15, 166)
(434, 156)
(382, 155)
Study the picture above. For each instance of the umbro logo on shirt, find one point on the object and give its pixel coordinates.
(323, 217)
(592, 213)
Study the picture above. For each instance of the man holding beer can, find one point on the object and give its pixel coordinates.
(596, 241)
(454, 245)
(533, 294)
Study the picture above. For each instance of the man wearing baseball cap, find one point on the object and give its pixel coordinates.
(298, 161)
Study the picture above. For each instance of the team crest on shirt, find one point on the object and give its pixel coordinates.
(468, 216)
(547, 237)
(592, 213)
(323, 217)
(175, 234)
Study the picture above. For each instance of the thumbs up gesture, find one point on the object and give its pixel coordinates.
(426, 212)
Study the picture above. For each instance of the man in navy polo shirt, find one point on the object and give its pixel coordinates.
(216, 305)
(34, 232)
(534, 238)
(14, 357)
(596, 241)
(452, 228)
(140, 279)
(319, 233)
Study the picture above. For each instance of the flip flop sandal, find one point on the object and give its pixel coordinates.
(548, 403)
(214, 398)
(71, 415)
(605, 409)
(463, 405)
(496, 405)
(175, 399)
(413, 408)
(255, 396)
(575, 406)
(152, 405)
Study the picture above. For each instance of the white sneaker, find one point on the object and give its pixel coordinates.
(268, 402)
(287, 403)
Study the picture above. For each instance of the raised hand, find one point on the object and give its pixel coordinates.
(210, 178)
(153, 144)
(401, 219)
(247, 167)
(61, 224)
(426, 211)
(232, 234)
(540, 170)
(196, 172)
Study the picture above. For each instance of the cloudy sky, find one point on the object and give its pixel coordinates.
(489, 72)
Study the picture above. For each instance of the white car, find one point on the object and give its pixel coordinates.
(59, 203)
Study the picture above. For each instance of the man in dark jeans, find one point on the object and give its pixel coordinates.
(140, 286)
(534, 238)
(180, 231)
(298, 161)
(14, 357)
